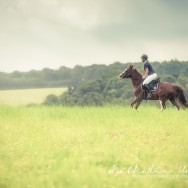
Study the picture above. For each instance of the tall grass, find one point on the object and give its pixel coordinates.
(92, 147)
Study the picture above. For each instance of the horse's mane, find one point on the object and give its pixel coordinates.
(138, 73)
(131, 66)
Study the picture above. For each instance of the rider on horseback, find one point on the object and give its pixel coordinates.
(149, 75)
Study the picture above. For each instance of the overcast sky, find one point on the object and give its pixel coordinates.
(51, 33)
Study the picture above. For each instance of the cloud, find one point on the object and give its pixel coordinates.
(166, 50)
(91, 14)
(51, 33)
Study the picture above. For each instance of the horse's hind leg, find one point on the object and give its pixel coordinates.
(162, 103)
(174, 102)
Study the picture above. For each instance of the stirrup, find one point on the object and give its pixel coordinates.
(149, 95)
(145, 95)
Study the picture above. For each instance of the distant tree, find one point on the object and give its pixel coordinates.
(182, 80)
(91, 99)
(169, 78)
(88, 86)
(16, 74)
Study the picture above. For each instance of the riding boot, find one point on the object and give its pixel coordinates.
(147, 89)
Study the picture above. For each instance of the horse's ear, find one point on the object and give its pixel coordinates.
(131, 66)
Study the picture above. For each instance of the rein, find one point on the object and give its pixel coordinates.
(138, 82)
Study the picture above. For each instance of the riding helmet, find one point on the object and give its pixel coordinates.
(144, 56)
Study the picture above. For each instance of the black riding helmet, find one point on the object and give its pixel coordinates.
(144, 56)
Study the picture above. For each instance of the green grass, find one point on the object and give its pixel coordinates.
(27, 96)
(45, 147)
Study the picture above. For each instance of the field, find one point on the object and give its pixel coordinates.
(27, 96)
(46, 147)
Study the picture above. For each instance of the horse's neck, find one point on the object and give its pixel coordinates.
(136, 79)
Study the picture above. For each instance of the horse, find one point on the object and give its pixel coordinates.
(166, 91)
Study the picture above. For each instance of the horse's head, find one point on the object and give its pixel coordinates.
(128, 72)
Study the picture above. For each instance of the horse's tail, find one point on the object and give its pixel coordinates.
(180, 96)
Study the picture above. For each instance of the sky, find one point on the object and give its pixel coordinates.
(35, 34)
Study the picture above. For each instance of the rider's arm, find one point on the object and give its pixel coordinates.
(146, 73)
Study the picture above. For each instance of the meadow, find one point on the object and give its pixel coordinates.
(27, 96)
(112, 146)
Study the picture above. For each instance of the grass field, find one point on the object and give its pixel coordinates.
(27, 96)
(46, 147)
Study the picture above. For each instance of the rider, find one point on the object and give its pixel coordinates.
(149, 75)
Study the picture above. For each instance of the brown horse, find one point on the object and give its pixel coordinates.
(166, 91)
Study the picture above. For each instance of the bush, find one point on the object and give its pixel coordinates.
(51, 100)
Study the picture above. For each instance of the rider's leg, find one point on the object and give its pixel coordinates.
(146, 86)
(147, 81)
(150, 78)
(145, 91)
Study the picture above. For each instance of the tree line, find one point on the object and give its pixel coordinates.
(172, 71)
(92, 85)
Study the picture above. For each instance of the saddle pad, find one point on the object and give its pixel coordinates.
(152, 86)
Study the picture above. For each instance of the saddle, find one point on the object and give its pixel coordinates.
(153, 85)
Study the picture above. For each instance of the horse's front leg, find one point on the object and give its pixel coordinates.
(137, 104)
(138, 100)
(132, 103)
